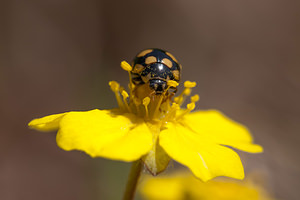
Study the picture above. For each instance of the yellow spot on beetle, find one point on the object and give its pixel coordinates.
(167, 62)
(138, 68)
(150, 60)
(143, 53)
(176, 75)
(172, 56)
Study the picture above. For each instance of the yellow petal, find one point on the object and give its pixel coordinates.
(182, 185)
(104, 134)
(172, 187)
(215, 126)
(204, 158)
(48, 123)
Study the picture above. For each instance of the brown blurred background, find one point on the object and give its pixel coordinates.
(58, 55)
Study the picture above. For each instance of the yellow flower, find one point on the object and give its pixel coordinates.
(183, 185)
(155, 128)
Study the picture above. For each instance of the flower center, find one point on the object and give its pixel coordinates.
(145, 103)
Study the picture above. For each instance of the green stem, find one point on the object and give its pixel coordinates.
(133, 178)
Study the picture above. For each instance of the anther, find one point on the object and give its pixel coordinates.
(187, 91)
(126, 66)
(146, 101)
(114, 86)
(124, 94)
(189, 84)
(195, 98)
(176, 99)
(191, 106)
(172, 83)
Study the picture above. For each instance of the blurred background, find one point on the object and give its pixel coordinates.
(58, 56)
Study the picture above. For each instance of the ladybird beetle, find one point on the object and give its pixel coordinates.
(155, 67)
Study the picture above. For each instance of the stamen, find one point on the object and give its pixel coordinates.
(170, 83)
(181, 98)
(158, 104)
(186, 92)
(115, 87)
(172, 113)
(190, 107)
(146, 102)
(125, 96)
(127, 67)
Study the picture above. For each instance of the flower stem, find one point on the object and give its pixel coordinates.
(133, 178)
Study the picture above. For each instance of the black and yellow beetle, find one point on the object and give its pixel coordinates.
(155, 67)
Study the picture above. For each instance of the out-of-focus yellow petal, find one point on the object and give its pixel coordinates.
(48, 123)
(157, 188)
(102, 133)
(204, 158)
(216, 127)
(182, 185)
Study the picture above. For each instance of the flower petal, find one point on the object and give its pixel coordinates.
(172, 187)
(101, 133)
(105, 134)
(48, 123)
(216, 127)
(205, 159)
